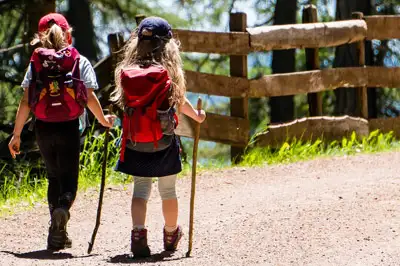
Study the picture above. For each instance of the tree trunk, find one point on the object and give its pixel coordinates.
(346, 56)
(283, 61)
(80, 17)
(35, 9)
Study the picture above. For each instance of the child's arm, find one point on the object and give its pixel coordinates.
(22, 116)
(188, 110)
(95, 107)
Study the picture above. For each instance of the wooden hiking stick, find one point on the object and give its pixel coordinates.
(194, 166)
(103, 181)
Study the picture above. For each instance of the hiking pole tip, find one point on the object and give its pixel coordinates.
(188, 253)
(90, 248)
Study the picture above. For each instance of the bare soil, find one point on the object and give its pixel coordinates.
(332, 211)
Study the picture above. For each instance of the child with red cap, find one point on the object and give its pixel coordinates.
(58, 85)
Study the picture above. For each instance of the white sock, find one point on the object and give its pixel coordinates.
(170, 229)
(138, 227)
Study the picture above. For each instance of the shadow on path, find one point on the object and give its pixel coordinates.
(44, 255)
(157, 257)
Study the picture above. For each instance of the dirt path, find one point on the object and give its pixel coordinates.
(340, 211)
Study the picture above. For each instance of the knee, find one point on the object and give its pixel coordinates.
(142, 188)
(166, 187)
(167, 194)
(141, 194)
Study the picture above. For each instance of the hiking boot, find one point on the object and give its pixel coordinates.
(139, 245)
(58, 237)
(171, 240)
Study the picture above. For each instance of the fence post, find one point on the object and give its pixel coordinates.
(362, 93)
(139, 18)
(238, 68)
(115, 43)
(310, 15)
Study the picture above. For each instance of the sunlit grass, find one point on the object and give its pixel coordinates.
(297, 150)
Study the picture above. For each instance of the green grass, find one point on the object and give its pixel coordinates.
(298, 150)
(21, 188)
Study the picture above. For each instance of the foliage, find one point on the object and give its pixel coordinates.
(297, 150)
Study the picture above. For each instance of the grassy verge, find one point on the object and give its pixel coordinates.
(298, 150)
(25, 188)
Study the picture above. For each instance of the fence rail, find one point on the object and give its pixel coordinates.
(313, 128)
(309, 35)
(383, 27)
(235, 129)
(328, 128)
(293, 83)
(218, 128)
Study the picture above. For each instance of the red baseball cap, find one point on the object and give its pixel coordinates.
(48, 20)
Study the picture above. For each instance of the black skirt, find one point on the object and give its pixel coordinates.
(152, 164)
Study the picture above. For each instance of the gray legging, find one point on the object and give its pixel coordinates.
(166, 187)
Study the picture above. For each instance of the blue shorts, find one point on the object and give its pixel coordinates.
(152, 164)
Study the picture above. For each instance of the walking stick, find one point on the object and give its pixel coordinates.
(103, 181)
(193, 191)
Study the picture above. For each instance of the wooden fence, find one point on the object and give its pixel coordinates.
(234, 129)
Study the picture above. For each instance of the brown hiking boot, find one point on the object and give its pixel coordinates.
(139, 245)
(58, 237)
(171, 240)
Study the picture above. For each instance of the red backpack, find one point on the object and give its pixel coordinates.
(145, 123)
(56, 93)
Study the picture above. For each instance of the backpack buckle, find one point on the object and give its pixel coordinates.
(129, 110)
(68, 80)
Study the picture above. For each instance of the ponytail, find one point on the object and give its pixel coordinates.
(52, 38)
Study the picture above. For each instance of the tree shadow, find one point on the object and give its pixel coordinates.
(157, 257)
(43, 254)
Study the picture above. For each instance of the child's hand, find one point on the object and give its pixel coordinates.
(201, 116)
(14, 146)
(197, 115)
(108, 120)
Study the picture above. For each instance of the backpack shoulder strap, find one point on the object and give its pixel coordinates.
(36, 64)
(72, 52)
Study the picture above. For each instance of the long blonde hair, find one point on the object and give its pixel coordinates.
(158, 52)
(53, 38)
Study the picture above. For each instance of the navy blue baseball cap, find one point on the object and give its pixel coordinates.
(154, 28)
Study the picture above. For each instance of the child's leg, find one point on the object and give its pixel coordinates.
(172, 232)
(45, 139)
(53, 189)
(166, 187)
(59, 145)
(68, 146)
(141, 194)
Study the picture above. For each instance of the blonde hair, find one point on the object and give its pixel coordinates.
(156, 52)
(53, 38)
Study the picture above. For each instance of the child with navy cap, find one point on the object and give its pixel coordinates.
(152, 54)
